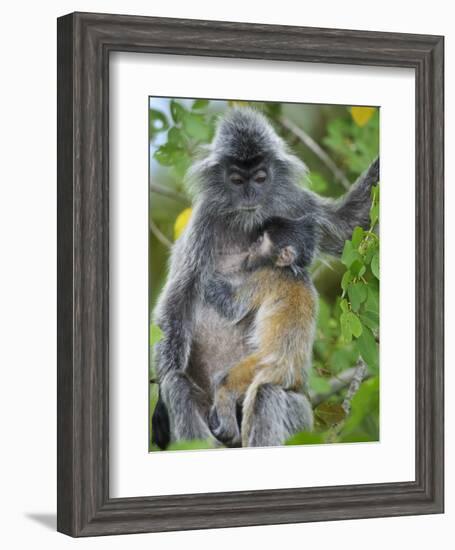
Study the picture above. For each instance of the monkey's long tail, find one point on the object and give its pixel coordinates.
(338, 220)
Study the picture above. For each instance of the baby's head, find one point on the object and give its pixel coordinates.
(283, 242)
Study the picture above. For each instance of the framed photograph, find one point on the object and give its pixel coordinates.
(301, 323)
(250, 274)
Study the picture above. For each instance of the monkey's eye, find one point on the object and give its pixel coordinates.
(260, 176)
(236, 179)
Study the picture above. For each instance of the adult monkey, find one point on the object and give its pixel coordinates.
(247, 176)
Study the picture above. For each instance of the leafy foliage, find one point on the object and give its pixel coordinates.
(354, 145)
(348, 321)
(359, 302)
(333, 426)
(189, 128)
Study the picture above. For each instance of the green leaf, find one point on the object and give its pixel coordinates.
(368, 349)
(350, 255)
(372, 302)
(167, 154)
(357, 236)
(357, 293)
(175, 138)
(362, 423)
(319, 384)
(357, 268)
(355, 146)
(196, 127)
(344, 305)
(200, 104)
(350, 326)
(329, 414)
(177, 111)
(370, 319)
(158, 121)
(356, 325)
(345, 327)
(374, 214)
(375, 194)
(375, 265)
(346, 279)
(181, 164)
(370, 252)
(342, 358)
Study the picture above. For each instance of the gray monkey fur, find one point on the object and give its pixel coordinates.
(199, 345)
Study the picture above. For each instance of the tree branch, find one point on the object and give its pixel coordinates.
(161, 190)
(159, 235)
(337, 383)
(317, 150)
(359, 375)
(323, 264)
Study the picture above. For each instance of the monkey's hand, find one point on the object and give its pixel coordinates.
(223, 421)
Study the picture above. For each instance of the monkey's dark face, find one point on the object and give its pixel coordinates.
(247, 183)
(248, 175)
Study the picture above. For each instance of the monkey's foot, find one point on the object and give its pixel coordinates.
(224, 428)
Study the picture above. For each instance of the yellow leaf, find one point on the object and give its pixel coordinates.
(362, 115)
(181, 222)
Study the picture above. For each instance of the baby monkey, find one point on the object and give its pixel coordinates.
(280, 297)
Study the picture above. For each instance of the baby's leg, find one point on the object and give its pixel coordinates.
(223, 416)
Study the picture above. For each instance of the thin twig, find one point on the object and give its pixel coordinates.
(319, 269)
(161, 190)
(336, 384)
(159, 235)
(359, 375)
(323, 264)
(317, 150)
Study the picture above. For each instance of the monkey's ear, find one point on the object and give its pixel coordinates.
(286, 256)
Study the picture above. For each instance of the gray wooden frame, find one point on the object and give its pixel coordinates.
(84, 43)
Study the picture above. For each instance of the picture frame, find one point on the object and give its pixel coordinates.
(85, 41)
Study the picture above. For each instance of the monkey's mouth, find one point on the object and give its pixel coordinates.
(247, 208)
